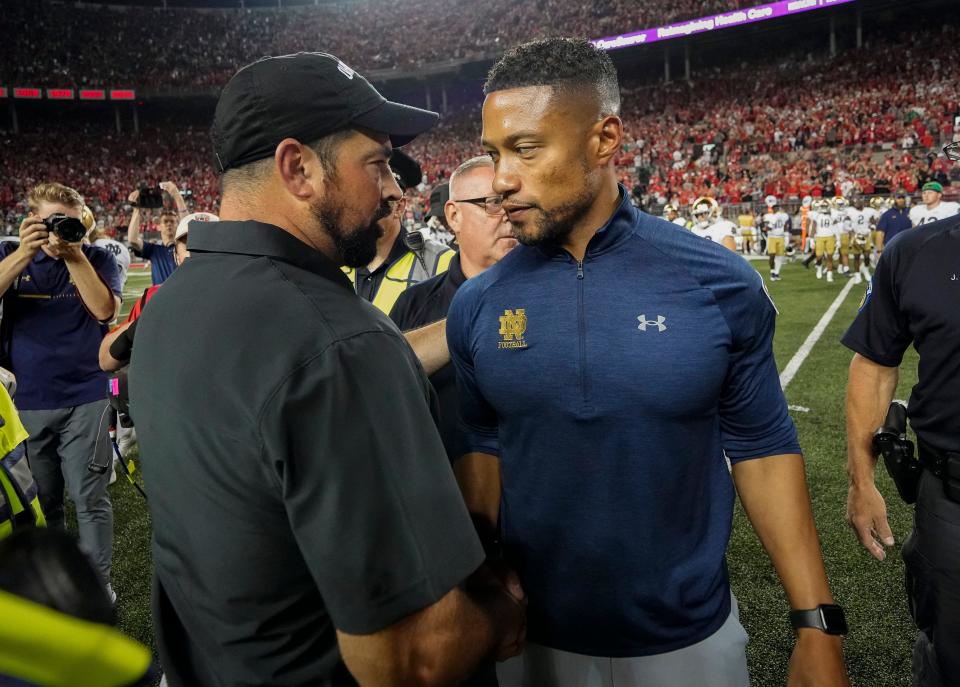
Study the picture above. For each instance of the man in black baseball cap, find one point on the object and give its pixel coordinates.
(303, 96)
(306, 519)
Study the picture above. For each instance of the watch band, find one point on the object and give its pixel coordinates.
(828, 618)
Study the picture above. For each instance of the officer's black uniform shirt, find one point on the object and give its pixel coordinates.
(423, 304)
(915, 298)
(297, 482)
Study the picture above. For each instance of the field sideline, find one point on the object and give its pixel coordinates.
(879, 647)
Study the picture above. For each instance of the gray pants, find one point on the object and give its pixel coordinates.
(720, 660)
(932, 557)
(62, 443)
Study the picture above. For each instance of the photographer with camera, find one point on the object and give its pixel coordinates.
(58, 295)
(162, 262)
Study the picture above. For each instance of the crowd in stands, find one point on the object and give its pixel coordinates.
(176, 48)
(867, 122)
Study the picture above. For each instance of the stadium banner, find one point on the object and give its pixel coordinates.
(60, 94)
(747, 15)
(93, 94)
(3, 91)
(27, 92)
(122, 94)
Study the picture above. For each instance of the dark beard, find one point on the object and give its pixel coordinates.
(356, 245)
(554, 226)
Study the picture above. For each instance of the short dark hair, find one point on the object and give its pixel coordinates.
(570, 64)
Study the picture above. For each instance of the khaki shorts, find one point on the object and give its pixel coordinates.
(858, 247)
(824, 245)
(746, 232)
(844, 243)
(776, 245)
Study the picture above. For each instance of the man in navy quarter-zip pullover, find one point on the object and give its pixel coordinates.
(604, 368)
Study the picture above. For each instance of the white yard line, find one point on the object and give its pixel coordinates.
(790, 371)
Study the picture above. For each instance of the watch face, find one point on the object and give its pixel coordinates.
(834, 621)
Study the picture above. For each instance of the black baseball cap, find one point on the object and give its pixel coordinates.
(304, 96)
(438, 198)
(406, 168)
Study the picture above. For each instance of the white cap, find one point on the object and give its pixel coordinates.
(184, 225)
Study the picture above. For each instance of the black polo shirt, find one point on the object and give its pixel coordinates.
(423, 304)
(914, 298)
(296, 479)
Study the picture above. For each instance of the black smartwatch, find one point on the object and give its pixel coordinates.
(828, 618)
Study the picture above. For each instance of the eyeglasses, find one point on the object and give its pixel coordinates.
(492, 205)
(952, 151)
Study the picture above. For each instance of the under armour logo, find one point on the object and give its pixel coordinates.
(658, 323)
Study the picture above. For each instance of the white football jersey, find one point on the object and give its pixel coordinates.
(828, 223)
(859, 221)
(919, 214)
(776, 223)
(680, 221)
(717, 231)
(872, 215)
(119, 252)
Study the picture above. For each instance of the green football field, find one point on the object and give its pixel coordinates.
(878, 648)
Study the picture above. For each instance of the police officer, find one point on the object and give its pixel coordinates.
(19, 499)
(914, 299)
(403, 258)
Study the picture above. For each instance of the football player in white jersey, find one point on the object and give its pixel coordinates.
(843, 229)
(708, 224)
(824, 221)
(860, 243)
(775, 223)
(933, 208)
(878, 205)
(671, 215)
(95, 237)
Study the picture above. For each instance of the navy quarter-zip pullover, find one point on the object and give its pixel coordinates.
(610, 389)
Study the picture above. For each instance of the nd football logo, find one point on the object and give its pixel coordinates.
(512, 326)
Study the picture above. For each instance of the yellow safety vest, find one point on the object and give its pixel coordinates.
(19, 503)
(41, 646)
(401, 275)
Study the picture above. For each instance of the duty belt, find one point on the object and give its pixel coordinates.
(943, 464)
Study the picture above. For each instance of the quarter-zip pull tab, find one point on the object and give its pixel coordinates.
(579, 269)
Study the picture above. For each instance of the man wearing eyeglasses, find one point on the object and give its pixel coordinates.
(475, 216)
(403, 258)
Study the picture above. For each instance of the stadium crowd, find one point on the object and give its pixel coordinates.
(157, 48)
(866, 121)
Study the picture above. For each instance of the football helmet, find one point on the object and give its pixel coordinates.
(705, 211)
(87, 218)
(821, 205)
(840, 203)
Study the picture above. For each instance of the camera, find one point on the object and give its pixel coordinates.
(150, 198)
(68, 229)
